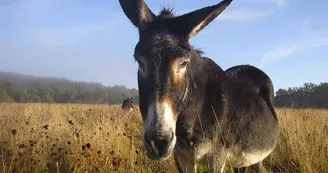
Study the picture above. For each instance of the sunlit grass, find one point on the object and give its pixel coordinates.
(67, 138)
(103, 138)
(303, 141)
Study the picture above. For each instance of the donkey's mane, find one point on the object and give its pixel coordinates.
(200, 52)
(166, 12)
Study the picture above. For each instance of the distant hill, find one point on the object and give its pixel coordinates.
(15, 87)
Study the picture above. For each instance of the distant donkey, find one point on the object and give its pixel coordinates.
(128, 104)
(189, 105)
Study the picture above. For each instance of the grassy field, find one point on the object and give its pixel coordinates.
(103, 138)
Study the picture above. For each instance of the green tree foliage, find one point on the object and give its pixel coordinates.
(25, 88)
(307, 96)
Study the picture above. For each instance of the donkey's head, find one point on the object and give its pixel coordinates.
(165, 59)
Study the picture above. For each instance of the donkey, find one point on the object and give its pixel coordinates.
(190, 107)
(128, 104)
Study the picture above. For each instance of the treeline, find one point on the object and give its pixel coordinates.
(25, 88)
(309, 95)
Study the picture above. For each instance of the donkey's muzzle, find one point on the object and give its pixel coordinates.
(160, 144)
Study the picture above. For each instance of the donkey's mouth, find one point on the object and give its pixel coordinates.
(164, 156)
(159, 149)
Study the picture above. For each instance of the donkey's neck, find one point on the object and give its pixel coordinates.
(205, 104)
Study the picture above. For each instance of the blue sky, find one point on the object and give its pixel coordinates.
(92, 40)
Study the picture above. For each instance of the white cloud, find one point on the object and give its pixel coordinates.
(251, 14)
(279, 53)
(321, 43)
(69, 35)
(301, 44)
(309, 38)
(244, 14)
(51, 23)
(278, 3)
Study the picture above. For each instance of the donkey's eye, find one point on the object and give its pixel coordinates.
(141, 65)
(183, 65)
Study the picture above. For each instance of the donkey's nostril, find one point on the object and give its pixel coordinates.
(159, 143)
(163, 143)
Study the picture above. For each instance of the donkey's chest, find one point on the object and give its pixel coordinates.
(203, 150)
(196, 151)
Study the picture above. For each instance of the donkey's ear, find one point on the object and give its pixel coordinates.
(138, 12)
(191, 23)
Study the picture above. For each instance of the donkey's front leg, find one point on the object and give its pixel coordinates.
(218, 160)
(184, 164)
(259, 168)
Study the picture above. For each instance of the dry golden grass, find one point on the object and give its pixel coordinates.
(103, 138)
(55, 137)
(303, 142)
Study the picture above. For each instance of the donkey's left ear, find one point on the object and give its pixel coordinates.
(138, 12)
(191, 23)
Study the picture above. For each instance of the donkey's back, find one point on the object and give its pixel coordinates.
(255, 78)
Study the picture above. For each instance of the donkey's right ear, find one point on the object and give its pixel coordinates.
(138, 12)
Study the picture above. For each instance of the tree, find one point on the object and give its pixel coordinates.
(307, 96)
